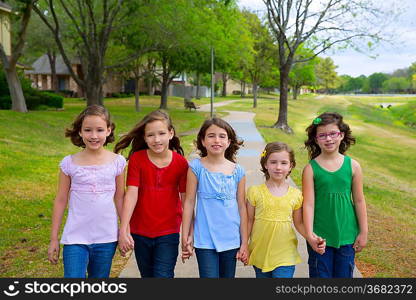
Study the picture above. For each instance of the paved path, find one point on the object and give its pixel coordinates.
(248, 157)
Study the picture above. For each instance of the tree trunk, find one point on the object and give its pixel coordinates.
(16, 92)
(284, 83)
(136, 94)
(52, 62)
(165, 84)
(164, 94)
(243, 89)
(198, 85)
(295, 92)
(224, 84)
(94, 82)
(254, 94)
(94, 94)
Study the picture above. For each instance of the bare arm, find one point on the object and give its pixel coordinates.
(251, 210)
(360, 206)
(189, 205)
(242, 209)
(308, 200)
(130, 199)
(298, 221)
(119, 194)
(191, 229)
(59, 206)
(308, 191)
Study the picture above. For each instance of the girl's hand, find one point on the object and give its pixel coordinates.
(360, 242)
(53, 251)
(242, 254)
(317, 243)
(187, 248)
(321, 245)
(125, 242)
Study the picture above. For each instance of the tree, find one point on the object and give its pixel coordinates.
(24, 11)
(302, 73)
(396, 85)
(375, 82)
(89, 24)
(180, 41)
(39, 42)
(325, 73)
(261, 62)
(232, 41)
(320, 25)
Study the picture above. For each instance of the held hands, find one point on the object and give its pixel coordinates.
(317, 243)
(187, 248)
(53, 251)
(243, 254)
(125, 243)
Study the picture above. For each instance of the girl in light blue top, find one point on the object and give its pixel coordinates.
(220, 229)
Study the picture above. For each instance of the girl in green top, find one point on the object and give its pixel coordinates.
(334, 204)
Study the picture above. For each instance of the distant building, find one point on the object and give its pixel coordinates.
(5, 40)
(41, 76)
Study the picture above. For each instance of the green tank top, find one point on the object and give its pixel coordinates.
(334, 214)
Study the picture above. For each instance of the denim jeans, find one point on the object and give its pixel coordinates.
(213, 264)
(95, 259)
(334, 263)
(156, 257)
(279, 272)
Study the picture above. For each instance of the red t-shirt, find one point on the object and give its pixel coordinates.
(158, 210)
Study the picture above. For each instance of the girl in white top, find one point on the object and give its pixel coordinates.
(94, 181)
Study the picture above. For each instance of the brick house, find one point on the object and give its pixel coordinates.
(41, 77)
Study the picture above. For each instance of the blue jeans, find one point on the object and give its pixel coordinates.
(156, 257)
(279, 272)
(213, 264)
(334, 263)
(95, 259)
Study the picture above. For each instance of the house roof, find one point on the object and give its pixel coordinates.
(5, 7)
(42, 66)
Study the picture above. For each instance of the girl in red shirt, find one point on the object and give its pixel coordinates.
(156, 183)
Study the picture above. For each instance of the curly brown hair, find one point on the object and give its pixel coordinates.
(136, 136)
(324, 119)
(92, 110)
(235, 143)
(272, 148)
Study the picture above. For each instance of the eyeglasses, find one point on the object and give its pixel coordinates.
(332, 135)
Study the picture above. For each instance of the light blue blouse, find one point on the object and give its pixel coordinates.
(217, 219)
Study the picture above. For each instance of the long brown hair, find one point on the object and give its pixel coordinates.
(324, 119)
(235, 143)
(136, 136)
(272, 148)
(92, 110)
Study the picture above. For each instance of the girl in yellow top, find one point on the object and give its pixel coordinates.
(271, 208)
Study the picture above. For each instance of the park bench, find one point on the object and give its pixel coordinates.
(191, 105)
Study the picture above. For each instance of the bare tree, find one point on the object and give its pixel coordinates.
(92, 22)
(320, 25)
(10, 62)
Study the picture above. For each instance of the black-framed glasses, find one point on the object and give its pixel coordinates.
(332, 135)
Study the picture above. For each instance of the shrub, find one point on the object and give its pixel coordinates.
(5, 102)
(35, 99)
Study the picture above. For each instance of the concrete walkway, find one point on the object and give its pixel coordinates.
(249, 158)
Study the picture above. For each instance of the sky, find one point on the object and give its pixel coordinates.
(399, 54)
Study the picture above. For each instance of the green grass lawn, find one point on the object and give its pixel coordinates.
(31, 147)
(385, 148)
